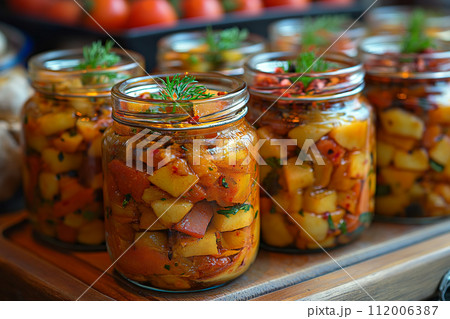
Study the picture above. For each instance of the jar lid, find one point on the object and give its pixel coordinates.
(14, 47)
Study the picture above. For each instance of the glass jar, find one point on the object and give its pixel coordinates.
(189, 51)
(318, 180)
(182, 209)
(410, 93)
(393, 20)
(287, 35)
(63, 125)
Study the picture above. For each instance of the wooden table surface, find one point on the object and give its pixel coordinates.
(389, 262)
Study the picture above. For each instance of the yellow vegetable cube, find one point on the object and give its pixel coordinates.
(37, 142)
(171, 211)
(309, 131)
(60, 162)
(228, 222)
(403, 123)
(440, 152)
(153, 193)
(398, 180)
(320, 201)
(67, 142)
(314, 226)
(56, 122)
(444, 191)
(416, 160)
(149, 220)
(74, 220)
(189, 247)
(92, 233)
(128, 211)
(95, 149)
(268, 150)
(326, 243)
(359, 165)
(391, 205)
(290, 203)
(440, 115)
(351, 136)
(385, 153)
(297, 176)
(403, 143)
(152, 239)
(347, 200)
(236, 239)
(322, 173)
(274, 230)
(87, 129)
(172, 183)
(48, 185)
(244, 187)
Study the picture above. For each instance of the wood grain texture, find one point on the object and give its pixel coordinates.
(384, 252)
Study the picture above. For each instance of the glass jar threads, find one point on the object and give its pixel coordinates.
(318, 181)
(410, 93)
(223, 51)
(63, 125)
(182, 209)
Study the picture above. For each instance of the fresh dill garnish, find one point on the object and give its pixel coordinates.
(227, 39)
(233, 210)
(415, 40)
(98, 55)
(183, 89)
(311, 37)
(308, 62)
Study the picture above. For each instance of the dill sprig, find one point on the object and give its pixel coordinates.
(99, 56)
(183, 89)
(311, 37)
(227, 39)
(308, 62)
(415, 40)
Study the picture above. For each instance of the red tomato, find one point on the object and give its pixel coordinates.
(112, 15)
(291, 3)
(249, 6)
(30, 7)
(148, 12)
(206, 9)
(64, 12)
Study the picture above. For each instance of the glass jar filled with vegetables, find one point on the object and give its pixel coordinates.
(296, 35)
(223, 51)
(63, 125)
(393, 20)
(317, 182)
(408, 84)
(182, 208)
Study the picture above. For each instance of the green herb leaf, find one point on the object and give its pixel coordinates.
(233, 210)
(272, 210)
(301, 213)
(343, 227)
(99, 56)
(256, 213)
(313, 27)
(366, 217)
(270, 182)
(308, 62)
(60, 156)
(88, 215)
(273, 162)
(126, 200)
(416, 40)
(383, 190)
(184, 148)
(330, 222)
(183, 89)
(436, 166)
(167, 267)
(227, 39)
(224, 183)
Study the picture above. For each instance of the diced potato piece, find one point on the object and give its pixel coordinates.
(337, 216)
(398, 180)
(351, 136)
(322, 173)
(243, 183)
(313, 225)
(60, 162)
(403, 143)
(326, 243)
(236, 239)
(240, 220)
(359, 165)
(152, 239)
(153, 193)
(87, 129)
(340, 179)
(391, 204)
(274, 230)
(268, 150)
(291, 203)
(435, 201)
(190, 246)
(417, 160)
(48, 185)
(444, 191)
(125, 212)
(149, 220)
(320, 201)
(440, 115)
(297, 176)
(67, 142)
(400, 122)
(172, 183)
(171, 211)
(95, 149)
(440, 152)
(204, 168)
(385, 153)
(417, 191)
(37, 142)
(92, 233)
(347, 200)
(309, 131)
(74, 220)
(53, 123)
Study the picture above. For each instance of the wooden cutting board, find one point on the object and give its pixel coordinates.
(388, 262)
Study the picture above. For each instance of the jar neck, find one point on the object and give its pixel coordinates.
(130, 108)
(346, 80)
(58, 73)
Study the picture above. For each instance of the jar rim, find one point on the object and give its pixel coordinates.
(127, 91)
(386, 47)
